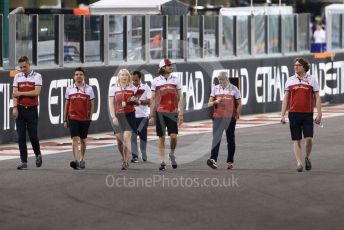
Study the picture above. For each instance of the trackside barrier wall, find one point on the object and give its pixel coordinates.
(261, 85)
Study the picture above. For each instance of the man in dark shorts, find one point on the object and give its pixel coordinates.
(300, 90)
(166, 109)
(78, 112)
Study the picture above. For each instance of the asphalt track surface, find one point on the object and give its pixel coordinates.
(264, 191)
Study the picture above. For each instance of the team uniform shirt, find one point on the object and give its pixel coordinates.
(122, 98)
(79, 102)
(143, 93)
(301, 93)
(167, 93)
(319, 36)
(25, 84)
(227, 108)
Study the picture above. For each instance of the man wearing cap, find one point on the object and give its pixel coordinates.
(166, 109)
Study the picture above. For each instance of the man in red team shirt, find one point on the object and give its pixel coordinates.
(226, 100)
(26, 88)
(299, 100)
(166, 109)
(78, 112)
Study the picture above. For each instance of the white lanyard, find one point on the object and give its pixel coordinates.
(80, 89)
(123, 92)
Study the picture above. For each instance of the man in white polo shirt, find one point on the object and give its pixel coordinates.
(143, 94)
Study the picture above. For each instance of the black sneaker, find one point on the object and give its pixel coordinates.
(299, 168)
(22, 166)
(74, 164)
(162, 166)
(39, 160)
(173, 160)
(308, 164)
(212, 163)
(134, 160)
(144, 157)
(82, 164)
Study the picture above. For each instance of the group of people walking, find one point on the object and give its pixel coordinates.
(134, 105)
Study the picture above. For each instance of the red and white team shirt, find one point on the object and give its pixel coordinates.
(167, 93)
(122, 98)
(79, 102)
(227, 108)
(143, 93)
(25, 84)
(301, 93)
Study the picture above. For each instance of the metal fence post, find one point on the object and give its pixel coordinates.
(1, 42)
(164, 36)
(281, 40)
(219, 38)
(104, 40)
(235, 36)
(296, 32)
(183, 36)
(59, 39)
(201, 35)
(82, 39)
(125, 38)
(34, 39)
(12, 41)
(251, 37)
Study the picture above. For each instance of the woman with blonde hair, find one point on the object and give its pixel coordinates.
(122, 111)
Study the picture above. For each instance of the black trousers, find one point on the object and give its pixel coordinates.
(27, 120)
(219, 126)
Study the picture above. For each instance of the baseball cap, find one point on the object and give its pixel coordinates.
(165, 62)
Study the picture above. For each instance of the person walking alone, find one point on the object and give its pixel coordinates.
(300, 90)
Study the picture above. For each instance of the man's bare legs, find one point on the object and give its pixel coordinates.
(297, 151)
